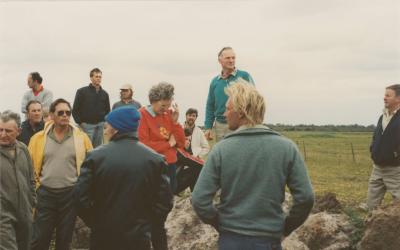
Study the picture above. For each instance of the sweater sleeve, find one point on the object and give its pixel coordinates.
(205, 190)
(205, 147)
(47, 99)
(303, 196)
(24, 102)
(179, 134)
(210, 116)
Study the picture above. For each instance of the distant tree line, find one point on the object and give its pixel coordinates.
(322, 128)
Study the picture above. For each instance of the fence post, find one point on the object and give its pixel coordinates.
(352, 152)
(304, 150)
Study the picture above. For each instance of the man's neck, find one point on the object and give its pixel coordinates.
(97, 87)
(226, 72)
(126, 100)
(187, 125)
(33, 124)
(36, 87)
(61, 130)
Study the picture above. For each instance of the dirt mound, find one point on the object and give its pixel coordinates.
(328, 203)
(321, 231)
(383, 229)
(186, 231)
(81, 236)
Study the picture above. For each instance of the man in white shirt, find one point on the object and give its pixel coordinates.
(196, 142)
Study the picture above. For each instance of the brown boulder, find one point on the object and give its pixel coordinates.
(382, 229)
(321, 231)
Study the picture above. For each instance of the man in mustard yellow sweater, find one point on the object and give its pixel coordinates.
(57, 153)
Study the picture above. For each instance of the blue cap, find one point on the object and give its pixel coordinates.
(124, 119)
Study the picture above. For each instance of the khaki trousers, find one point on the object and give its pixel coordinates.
(220, 130)
(383, 179)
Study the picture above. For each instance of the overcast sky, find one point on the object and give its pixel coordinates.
(315, 62)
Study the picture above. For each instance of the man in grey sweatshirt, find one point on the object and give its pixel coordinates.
(252, 167)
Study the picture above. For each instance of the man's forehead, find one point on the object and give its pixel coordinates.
(228, 52)
(35, 106)
(10, 124)
(62, 106)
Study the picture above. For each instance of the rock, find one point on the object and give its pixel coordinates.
(327, 202)
(186, 231)
(81, 236)
(321, 231)
(382, 229)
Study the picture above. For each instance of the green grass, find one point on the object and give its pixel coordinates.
(331, 165)
(330, 162)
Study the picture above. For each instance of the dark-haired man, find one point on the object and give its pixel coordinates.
(385, 151)
(34, 122)
(217, 98)
(91, 105)
(37, 92)
(57, 153)
(196, 143)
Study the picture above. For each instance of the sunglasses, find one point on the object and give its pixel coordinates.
(62, 112)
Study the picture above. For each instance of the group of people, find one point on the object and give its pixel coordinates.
(119, 168)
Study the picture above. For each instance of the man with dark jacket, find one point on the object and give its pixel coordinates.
(91, 105)
(17, 186)
(34, 122)
(123, 187)
(385, 151)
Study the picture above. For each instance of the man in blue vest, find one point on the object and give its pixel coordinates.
(385, 151)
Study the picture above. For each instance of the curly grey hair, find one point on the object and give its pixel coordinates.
(9, 115)
(161, 91)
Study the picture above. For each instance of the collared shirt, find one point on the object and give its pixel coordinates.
(386, 117)
(59, 162)
(52, 135)
(217, 98)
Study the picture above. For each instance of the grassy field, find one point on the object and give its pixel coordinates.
(332, 168)
(330, 162)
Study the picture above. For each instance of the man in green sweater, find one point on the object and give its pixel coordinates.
(252, 167)
(216, 99)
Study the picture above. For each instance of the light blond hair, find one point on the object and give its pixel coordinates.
(247, 101)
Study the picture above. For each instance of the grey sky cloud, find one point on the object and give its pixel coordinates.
(315, 61)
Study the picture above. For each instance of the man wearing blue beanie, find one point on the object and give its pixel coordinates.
(123, 189)
(124, 119)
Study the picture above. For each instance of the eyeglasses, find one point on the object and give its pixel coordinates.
(62, 112)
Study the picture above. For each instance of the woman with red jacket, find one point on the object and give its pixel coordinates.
(159, 129)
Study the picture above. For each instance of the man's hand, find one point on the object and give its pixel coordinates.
(172, 141)
(208, 134)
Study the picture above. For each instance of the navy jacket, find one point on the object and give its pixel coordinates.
(90, 106)
(122, 190)
(27, 131)
(385, 146)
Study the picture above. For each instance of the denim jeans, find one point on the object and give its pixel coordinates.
(95, 132)
(56, 209)
(234, 241)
